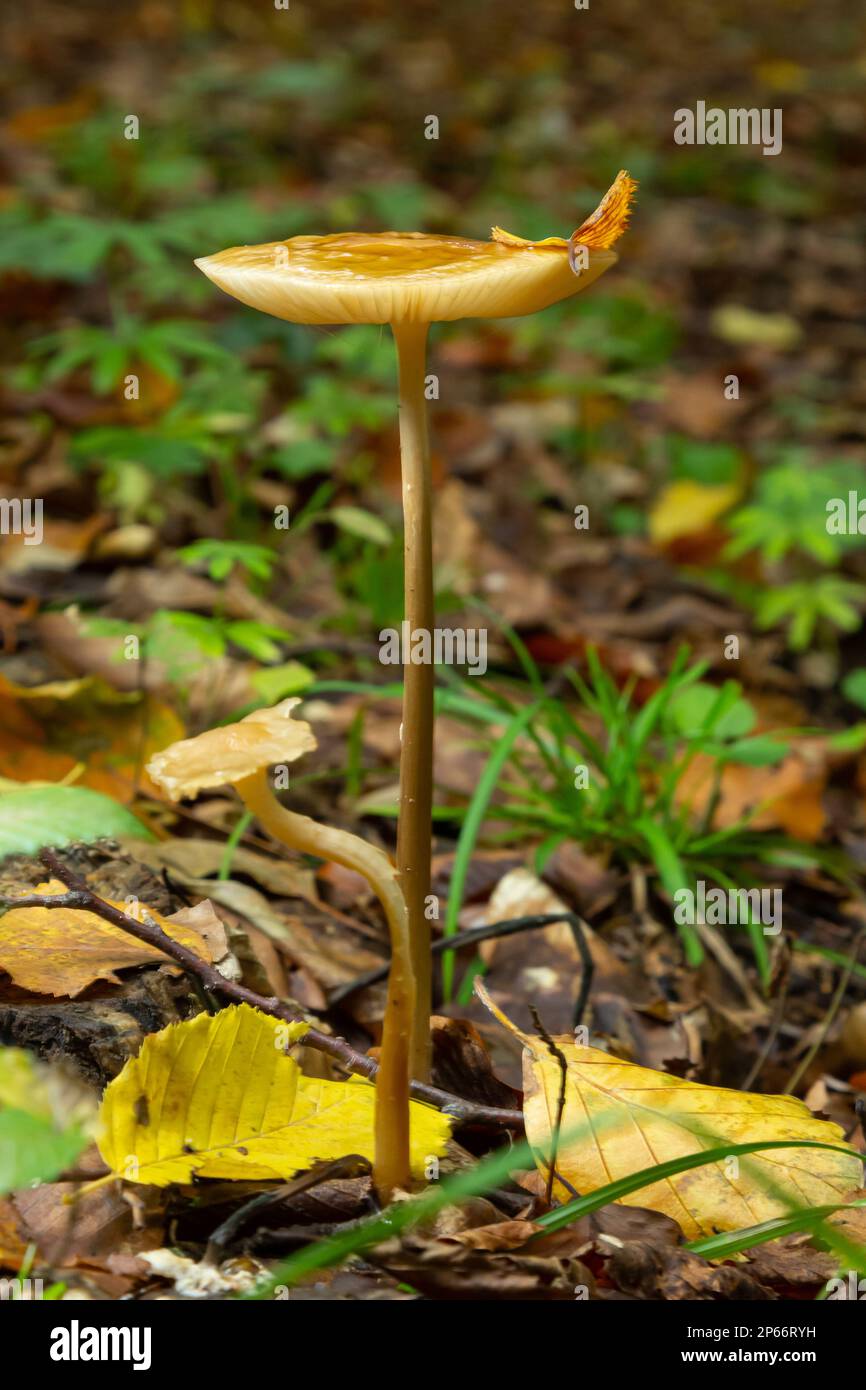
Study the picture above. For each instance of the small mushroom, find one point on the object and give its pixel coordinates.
(410, 280)
(240, 755)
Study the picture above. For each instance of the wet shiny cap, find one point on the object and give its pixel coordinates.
(410, 277)
(221, 757)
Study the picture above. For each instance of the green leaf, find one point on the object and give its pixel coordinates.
(359, 522)
(259, 639)
(277, 683)
(761, 751)
(220, 557)
(705, 710)
(854, 687)
(162, 454)
(35, 817)
(32, 1150)
(708, 463)
(303, 457)
(179, 640)
(848, 740)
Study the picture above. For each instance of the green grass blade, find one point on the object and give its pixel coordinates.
(325, 1253)
(673, 876)
(615, 1191)
(729, 1243)
(470, 828)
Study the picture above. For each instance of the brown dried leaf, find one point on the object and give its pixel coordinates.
(61, 951)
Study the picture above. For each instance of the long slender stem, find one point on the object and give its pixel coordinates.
(391, 1168)
(416, 750)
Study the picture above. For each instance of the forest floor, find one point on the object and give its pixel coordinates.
(628, 529)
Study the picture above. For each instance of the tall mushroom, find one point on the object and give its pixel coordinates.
(410, 280)
(240, 755)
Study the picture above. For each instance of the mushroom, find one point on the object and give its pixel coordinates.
(240, 755)
(410, 280)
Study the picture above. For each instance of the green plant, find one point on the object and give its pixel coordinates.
(111, 353)
(786, 526)
(221, 557)
(179, 642)
(805, 603)
(620, 783)
(789, 511)
(606, 772)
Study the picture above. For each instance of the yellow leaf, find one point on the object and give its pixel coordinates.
(51, 1092)
(620, 1118)
(748, 328)
(60, 951)
(82, 729)
(781, 75)
(219, 1097)
(685, 508)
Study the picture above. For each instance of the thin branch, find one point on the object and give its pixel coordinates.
(352, 1166)
(783, 980)
(559, 1057)
(82, 897)
(487, 932)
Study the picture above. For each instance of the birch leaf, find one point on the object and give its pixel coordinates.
(620, 1118)
(219, 1097)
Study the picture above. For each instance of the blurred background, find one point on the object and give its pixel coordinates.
(161, 422)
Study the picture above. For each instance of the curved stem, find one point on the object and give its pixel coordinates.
(391, 1168)
(416, 749)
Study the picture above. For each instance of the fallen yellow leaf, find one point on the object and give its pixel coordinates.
(620, 1118)
(60, 951)
(748, 328)
(685, 508)
(82, 728)
(219, 1097)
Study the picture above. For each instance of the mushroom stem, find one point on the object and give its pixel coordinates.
(416, 749)
(391, 1168)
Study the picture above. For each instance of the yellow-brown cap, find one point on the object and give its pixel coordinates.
(224, 756)
(410, 277)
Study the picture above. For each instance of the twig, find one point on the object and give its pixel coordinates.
(82, 897)
(559, 1057)
(486, 933)
(783, 981)
(352, 1166)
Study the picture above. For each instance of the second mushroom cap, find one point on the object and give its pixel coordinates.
(224, 756)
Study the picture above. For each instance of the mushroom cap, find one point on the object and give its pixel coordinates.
(410, 277)
(227, 755)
